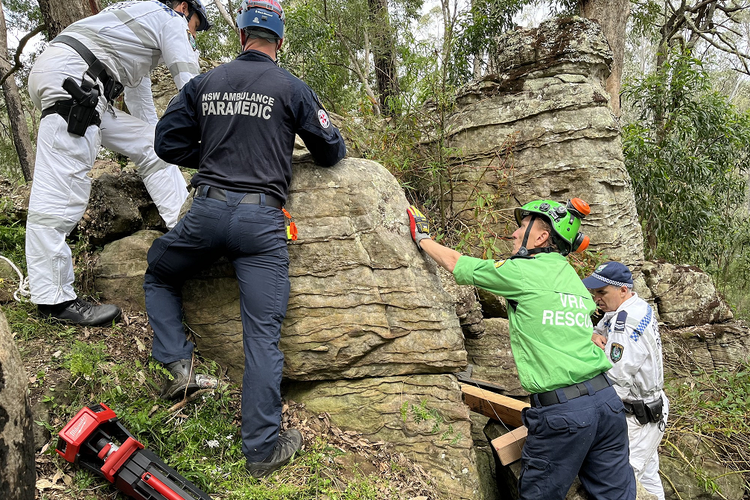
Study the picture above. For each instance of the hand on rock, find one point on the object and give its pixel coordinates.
(420, 227)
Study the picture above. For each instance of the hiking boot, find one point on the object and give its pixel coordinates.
(81, 312)
(184, 383)
(288, 444)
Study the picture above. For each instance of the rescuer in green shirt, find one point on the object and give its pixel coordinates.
(576, 423)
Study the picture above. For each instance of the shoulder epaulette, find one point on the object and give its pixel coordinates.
(638, 326)
(622, 316)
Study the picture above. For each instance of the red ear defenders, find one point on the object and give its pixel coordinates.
(580, 208)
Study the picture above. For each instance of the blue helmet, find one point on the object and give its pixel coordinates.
(199, 9)
(266, 14)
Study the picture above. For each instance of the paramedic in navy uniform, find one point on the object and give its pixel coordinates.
(236, 125)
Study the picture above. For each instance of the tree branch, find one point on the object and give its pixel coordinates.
(727, 46)
(21, 44)
(361, 76)
(226, 16)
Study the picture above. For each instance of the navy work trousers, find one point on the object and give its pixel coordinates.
(586, 436)
(253, 238)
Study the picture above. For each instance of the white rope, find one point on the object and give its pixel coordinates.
(23, 283)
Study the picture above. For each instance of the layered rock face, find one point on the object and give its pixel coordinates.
(685, 295)
(542, 128)
(367, 318)
(364, 302)
(422, 416)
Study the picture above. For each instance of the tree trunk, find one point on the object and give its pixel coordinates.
(612, 15)
(19, 128)
(18, 477)
(58, 15)
(384, 58)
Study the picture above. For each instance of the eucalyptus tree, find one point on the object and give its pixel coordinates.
(688, 155)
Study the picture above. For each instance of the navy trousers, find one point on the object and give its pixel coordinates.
(586, 436)
(253, 238)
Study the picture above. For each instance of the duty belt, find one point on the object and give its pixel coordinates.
(571, 392)
(250, 198)
(646, 412)
(62, 108)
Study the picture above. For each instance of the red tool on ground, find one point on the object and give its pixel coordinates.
(97, 441)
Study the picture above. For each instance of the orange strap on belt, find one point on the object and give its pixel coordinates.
(291, 227)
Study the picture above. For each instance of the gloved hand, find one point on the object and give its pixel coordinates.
(420, 227)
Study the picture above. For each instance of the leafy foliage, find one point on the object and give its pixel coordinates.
(714, 408)
(688, 157)
(477, 33)
(329, 44)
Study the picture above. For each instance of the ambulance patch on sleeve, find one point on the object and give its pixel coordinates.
(323, 118)
(615, 354)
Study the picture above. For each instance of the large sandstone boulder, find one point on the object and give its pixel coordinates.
(492, 359)
(541, 128)
(365, 304)
(421, 415)
(364, 301)
(712, 347)
(17, 469)
(685, 295)
(119, 205)
(118, 272)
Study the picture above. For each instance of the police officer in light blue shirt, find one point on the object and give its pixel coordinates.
(629, 335)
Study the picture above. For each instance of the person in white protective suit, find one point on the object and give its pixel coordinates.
(629, 334)
(74, 82)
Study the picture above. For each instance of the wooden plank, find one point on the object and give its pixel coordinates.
(484, 384)
(509, 446)
(494, 406)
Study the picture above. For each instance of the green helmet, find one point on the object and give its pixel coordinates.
(565, 221)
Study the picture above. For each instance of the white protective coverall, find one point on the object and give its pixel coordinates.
(130, 39)
(638, 374)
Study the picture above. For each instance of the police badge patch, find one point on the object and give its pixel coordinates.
(615, 354)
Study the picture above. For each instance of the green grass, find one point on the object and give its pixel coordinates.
(27, 326)
(200, 440)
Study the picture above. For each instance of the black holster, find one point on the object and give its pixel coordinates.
(655, 410)
(646, 412)
(82, 113)
(638, 408)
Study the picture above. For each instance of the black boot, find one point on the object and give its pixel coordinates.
(288, 444)
(80, 312)
(184, 383)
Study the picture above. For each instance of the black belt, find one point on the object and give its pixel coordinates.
(62, 108)
(571, 392)
(251, 198)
